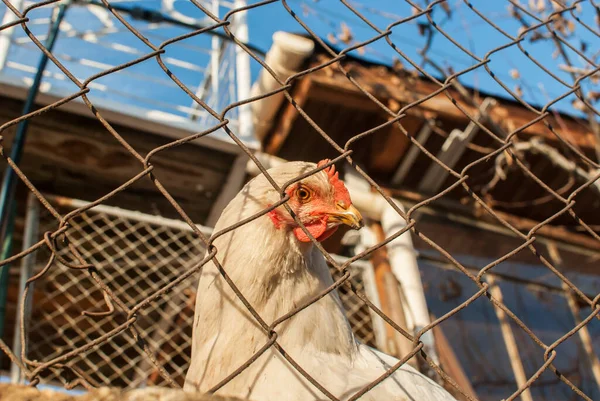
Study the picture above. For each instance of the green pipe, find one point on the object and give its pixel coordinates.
(6, 251)
(9, 183)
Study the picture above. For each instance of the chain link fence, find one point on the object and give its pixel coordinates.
(140, 306)
(138, 254)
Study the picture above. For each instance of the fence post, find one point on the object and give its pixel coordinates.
(242, 71)
(30, 237)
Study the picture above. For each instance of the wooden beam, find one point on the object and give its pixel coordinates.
(413, 152)
(304, 91)
(509, 340)
(352, 99)
(286, 117)
(472, 216)
(452, 150)
(76, 107)
(390, 299)
(584, 333)
(509, 115)
(75, 156)
(389, 148)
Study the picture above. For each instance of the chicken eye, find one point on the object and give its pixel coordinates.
(303, 194)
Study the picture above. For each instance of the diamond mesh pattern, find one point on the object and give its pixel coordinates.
(136, 258)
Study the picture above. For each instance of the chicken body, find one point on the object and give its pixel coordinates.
(276, 271)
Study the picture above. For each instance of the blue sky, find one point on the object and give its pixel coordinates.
(145, 86)
(468, 29)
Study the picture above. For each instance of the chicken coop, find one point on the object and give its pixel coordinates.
(127, 126)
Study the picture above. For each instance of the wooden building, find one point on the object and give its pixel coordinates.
(474, 346)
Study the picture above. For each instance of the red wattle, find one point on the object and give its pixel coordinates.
(318, 229)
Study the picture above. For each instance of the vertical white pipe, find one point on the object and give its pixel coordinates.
(215, 58)
(402, 256)
(242, 68)
(285, 57)
(7, 34)
(403, 260)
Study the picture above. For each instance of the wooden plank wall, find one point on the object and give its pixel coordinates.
(75, 156)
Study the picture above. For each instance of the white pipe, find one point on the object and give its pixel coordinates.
(401, 254)
(242, 70)
(286, 55)
(403, 260)
(215, 57)
(7, 34)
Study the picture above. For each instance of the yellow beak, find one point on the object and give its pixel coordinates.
(347, 215)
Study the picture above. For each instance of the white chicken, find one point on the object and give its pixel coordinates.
(276, 267)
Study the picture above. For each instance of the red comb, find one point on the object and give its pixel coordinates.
(333, 175)
(341, 193)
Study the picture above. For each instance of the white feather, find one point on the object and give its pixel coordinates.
(276, 273)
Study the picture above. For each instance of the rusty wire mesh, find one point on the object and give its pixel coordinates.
(129, 328)
(138, 254)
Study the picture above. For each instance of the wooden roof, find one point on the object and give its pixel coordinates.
(340, 109)
(69, 153)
